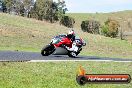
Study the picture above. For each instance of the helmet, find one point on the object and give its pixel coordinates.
(71, 32)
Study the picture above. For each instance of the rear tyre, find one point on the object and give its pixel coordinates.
(72, 54)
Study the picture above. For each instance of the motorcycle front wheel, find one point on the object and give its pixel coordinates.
(47, 50)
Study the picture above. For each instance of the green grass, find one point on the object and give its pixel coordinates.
(57, 74)
(22, 34)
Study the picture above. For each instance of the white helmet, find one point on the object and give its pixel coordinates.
(71, 32)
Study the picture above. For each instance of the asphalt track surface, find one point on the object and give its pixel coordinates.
(29, 56)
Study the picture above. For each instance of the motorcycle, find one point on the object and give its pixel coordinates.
(51, 48)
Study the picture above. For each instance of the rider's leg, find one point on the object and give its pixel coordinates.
(74, 48)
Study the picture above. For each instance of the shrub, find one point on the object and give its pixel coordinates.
(90, 26)
(67, 21)
(110, 29)
(104, 30)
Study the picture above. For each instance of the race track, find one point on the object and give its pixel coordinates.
(35, 56)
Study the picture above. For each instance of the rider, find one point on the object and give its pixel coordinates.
(71, 35)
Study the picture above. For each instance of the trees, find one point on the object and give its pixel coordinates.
(48, 10)
(28, 4)
(67, 21)
(110, 29)
(17, 7)
(90, 26)
(41, 9)
(9, 5)
(1, 6)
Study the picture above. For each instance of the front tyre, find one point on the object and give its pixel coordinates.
(44, 52)
(47, 50)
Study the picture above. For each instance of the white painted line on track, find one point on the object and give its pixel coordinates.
(65, 61)
(3, 60)
(123, 61)
(76, 61)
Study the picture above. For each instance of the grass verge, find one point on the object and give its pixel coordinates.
(57, 74)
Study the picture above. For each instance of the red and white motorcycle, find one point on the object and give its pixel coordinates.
(64, 49)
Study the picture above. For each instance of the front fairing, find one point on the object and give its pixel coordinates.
(57, 39)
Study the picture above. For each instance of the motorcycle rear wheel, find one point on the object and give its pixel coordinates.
(72, 54)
